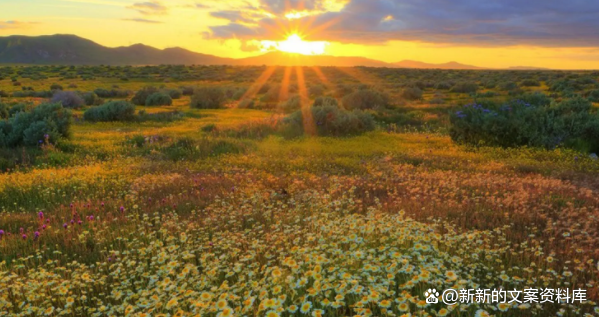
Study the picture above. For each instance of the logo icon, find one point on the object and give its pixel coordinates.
(431, 296)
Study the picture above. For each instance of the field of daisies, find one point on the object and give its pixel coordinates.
(311, 227)
(207, 212)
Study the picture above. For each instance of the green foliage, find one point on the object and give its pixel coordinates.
(141, 96)
(530, 83)
(292, 104)
(159, 99)
(594, 96)
(114, 93)
(91, 99)
(55, 87)
(46, 122)
(327, 120)
(365, 99)
(412, 93)
(529, 121)
(246, 104)
(111, 111)
(325, 101)
(190, 149)
(175, 93)
(464, 88)
(69, 99)
(208, 98)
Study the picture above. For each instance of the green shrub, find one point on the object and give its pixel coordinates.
(114, 93)
(327, 121)
(175, 93)
(69, 99)
(594, 96)
(91, 99)
(316, 90)
(141, 96)
(208, 98)
(292, 104)
(159, 99)
(529, 121)
(412, 93)
(48, 121)
(325, 101)
(187, 91)
(464, 88)
(443, 86)
(365, 99)
(530, 83)
(111, 111)
(246, 104)
(55, 87)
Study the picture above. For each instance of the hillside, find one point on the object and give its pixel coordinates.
(73, 50)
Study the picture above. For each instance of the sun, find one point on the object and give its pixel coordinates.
(295, 44)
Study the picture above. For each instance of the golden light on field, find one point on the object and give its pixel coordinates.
(295, 44)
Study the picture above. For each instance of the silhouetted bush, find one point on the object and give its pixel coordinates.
(159, 99)
(365, 99)
(208, 98)
(119, 110)
(69, 99)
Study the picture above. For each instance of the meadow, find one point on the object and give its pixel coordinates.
(262, 204)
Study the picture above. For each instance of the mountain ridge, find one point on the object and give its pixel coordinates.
(68, 49)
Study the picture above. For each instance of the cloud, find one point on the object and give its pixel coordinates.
(149, 8)
(6, 25)
(143, 21)
(458, 22)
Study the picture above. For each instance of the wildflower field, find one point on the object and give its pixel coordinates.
(264, 205)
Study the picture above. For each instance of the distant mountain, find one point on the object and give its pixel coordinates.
(73, 50)
(63, 49)
(528, 68)
(450, 65)
(289, 59)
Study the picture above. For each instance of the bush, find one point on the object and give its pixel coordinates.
(142, 95)
(175, 93)
(69, 99)
(56, 87)
(4, 94)
(91, 99)
(316, 90)
(246, 104)
(114, 93)
(48, 121)
(325, 101)
(187, 91)
(443, 86)
(529, 121)
(365, 99)
(208, 98)
(327, 121)
(111, 111)
(412, 93)
(594, 96)
(464, 88)
(292, 104)
(159, 99)
(530, 83)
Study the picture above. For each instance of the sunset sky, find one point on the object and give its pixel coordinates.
(490, 33)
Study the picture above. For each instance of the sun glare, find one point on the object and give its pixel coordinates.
(295, 44)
